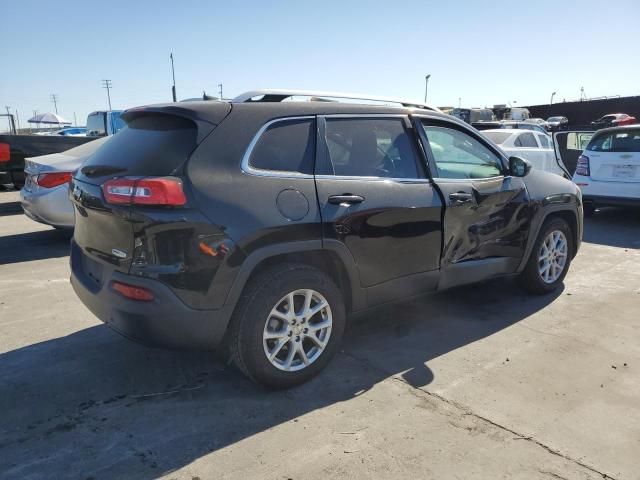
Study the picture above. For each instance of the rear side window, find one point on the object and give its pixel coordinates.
(286, 146)
(526, 140)
(368, 147)
(150, 145)
(621, 141)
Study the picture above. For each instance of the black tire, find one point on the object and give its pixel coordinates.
(263, 293)
(530, 279)
(589, 209)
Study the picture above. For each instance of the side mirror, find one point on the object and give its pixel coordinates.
(519, 167)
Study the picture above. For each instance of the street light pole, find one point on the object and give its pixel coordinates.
(173, 74)
(426, 86)
(552, 95)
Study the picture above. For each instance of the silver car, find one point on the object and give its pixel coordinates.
(45, 195)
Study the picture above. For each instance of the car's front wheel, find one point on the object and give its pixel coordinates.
(287, 325)
(550, 259)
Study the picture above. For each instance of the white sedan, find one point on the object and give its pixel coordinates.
(533, 146)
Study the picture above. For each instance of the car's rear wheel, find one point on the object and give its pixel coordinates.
(550, 259)
(287, 326)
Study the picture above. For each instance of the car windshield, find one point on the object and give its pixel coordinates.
(620, 141)
(497, 137)
(554, 119)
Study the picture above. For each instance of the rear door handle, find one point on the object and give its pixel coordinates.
(460, 197)
(345, 198)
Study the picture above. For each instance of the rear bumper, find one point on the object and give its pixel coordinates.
(165, 321)
(49, 206)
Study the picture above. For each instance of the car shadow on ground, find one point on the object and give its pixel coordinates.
(38, 245)
(94, 405)
(625, 222)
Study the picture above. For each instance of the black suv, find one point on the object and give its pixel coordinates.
(261, 224)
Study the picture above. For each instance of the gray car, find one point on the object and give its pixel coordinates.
(45, 195)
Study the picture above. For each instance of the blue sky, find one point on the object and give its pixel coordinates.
(485, 52)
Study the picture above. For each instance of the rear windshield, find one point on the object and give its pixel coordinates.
(620, 141)
(497, 137)
(95, 125)
(150, 145)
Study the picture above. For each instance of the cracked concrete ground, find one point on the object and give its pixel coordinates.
(478, 382)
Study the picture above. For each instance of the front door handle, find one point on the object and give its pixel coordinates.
(346, 198)
(460, 197)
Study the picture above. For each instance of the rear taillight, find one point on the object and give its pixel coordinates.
(50, 180)
(132, 292)
(582, 167)
(145, 191)
(5, 152)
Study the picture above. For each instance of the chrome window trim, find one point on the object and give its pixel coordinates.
(375, 179)
(458, 180)
(248, 169)
(330, 116)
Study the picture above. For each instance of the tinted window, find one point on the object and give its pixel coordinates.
(148, 145)
(544, 141)
(625, 141)
(527, 140)
(458, 155)
(286, 146)
(366, 147)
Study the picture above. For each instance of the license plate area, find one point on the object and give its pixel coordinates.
(93, 270)
(623, 171)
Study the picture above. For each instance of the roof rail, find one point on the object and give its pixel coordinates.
(278, 95)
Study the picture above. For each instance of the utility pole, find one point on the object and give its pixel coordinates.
(552, 95)
(18, 120)
(220, 87)
(75, 122)
(54, 99)
(173, 74)
(426, 86)
(12, 123)
(107, 84)
(35, 112)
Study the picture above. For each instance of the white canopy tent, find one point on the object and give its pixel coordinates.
(49, 118)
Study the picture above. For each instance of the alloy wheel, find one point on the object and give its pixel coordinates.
(552, 257)
(297, 330)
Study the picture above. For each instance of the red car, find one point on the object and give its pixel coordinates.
(614, 120)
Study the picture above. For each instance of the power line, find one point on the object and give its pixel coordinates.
(107, 84)
(54, 99)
